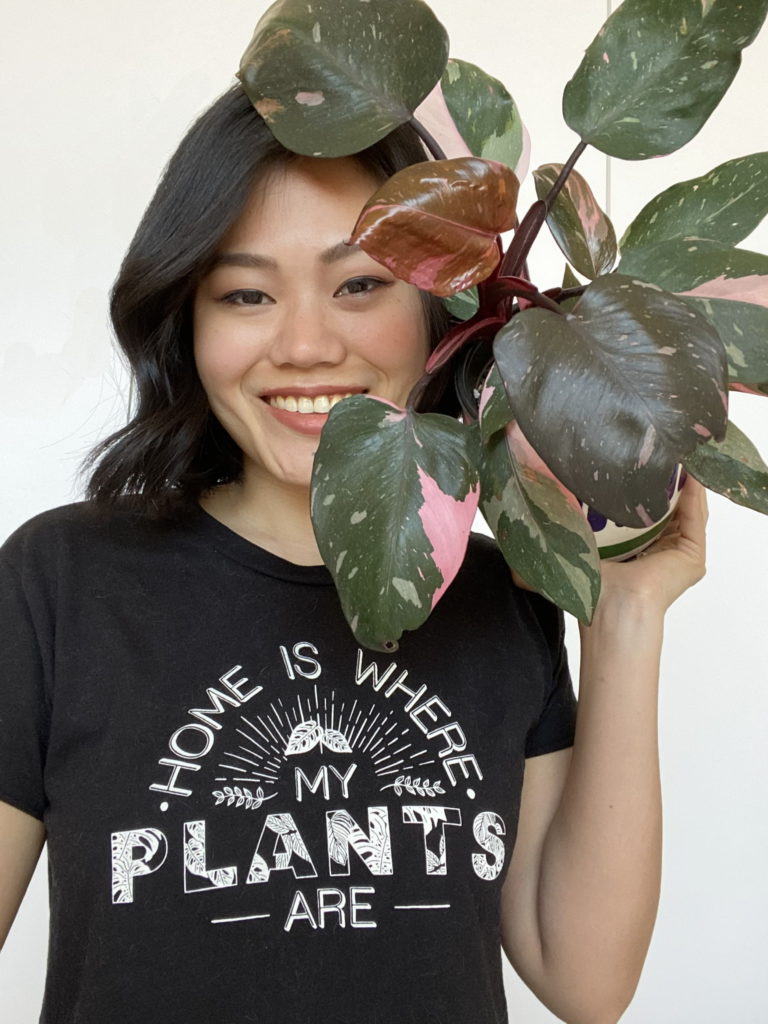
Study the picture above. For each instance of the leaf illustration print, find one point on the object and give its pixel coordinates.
(304, 737)
(335, 741)
(307, 735)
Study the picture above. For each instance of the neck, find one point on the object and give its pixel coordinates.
(267, 512)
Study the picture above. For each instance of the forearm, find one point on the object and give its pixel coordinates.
(601, 861)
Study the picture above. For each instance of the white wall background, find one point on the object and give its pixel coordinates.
(95, 96)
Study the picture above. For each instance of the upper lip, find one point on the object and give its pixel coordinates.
(314, 391)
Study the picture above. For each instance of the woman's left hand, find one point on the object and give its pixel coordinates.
(672, 564)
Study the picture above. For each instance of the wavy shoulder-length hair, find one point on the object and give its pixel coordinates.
(173, 448)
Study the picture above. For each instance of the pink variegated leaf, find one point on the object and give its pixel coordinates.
(701, 268)
(434, 114)
(394, 494)
(435, 224)
(581, 229)
(734, 468)
(743, 330)
(541, 531)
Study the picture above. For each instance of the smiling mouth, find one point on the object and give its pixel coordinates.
(305, 404)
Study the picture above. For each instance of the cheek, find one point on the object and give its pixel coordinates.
(220, 356)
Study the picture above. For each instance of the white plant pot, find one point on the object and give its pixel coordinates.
(619, 543)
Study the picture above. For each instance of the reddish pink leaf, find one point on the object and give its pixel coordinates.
(435, 224)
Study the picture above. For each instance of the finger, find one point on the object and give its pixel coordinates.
(692, 511)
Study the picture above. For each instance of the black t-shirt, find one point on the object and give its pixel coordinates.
(249, 817)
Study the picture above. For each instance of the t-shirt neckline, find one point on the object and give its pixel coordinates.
(233, 545)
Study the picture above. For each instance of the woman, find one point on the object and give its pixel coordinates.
(248, 817)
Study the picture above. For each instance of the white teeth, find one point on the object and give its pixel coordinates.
(305, 404)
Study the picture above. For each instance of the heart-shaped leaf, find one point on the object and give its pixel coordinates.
(613, 395)
(724, 205)
(701, 268)
(541, 534)
(656, 71)
(435, 224)
(732, 467)
(332, 77)
(394, 494)
(743, 330)
(485, 114)
(581, 229)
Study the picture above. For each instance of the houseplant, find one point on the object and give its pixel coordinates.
(581, 394)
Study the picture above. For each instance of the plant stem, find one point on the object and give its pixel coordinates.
(534, 219)
(429, 140)
(557, 188)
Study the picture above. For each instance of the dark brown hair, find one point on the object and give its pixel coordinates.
(173, 448)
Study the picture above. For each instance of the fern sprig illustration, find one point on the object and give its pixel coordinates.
(241, 797)
(416, 787)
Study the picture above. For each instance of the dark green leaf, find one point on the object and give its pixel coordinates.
(656, 71)
(725, 205)
(394, 494)
(581, 229)
(495, 411)
(570, 281)
(702, 268)
(332, 77)
(463, 305)
(743, 329)
(436, 224)
(540, 532)
(613, 395)
(484, 113)
(734, 468)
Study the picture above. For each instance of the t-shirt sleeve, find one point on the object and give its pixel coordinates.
(24, 712)
(555, 727)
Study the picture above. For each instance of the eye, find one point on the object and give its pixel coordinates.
(247, 297)
(362, 286)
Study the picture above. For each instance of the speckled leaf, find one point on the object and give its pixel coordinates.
(393, 498)
(656, 71)
(581, 229)
(541, 534)
(332, 77)
(570, 281)
(743, 329)
(702, 268)
(724, 205)
(734, 468)
(435, 224)
(495, 411)
(613, 395)
(484, 113)
(463, 305)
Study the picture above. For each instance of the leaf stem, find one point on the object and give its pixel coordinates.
(534, 219)
(429, 140)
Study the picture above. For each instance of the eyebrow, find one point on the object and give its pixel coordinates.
(340, 251)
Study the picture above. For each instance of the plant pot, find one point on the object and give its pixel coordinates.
(619, 543)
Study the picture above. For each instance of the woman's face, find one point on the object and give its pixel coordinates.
(290, 319)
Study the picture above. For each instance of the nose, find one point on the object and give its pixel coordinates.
(306, 335)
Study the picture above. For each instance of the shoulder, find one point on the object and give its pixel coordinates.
(485, 572)
(78, 529)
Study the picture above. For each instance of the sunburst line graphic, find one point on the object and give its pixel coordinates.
(251, 739)
(267, 739)
(239, 757)
(253, 775)
(373, 731)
